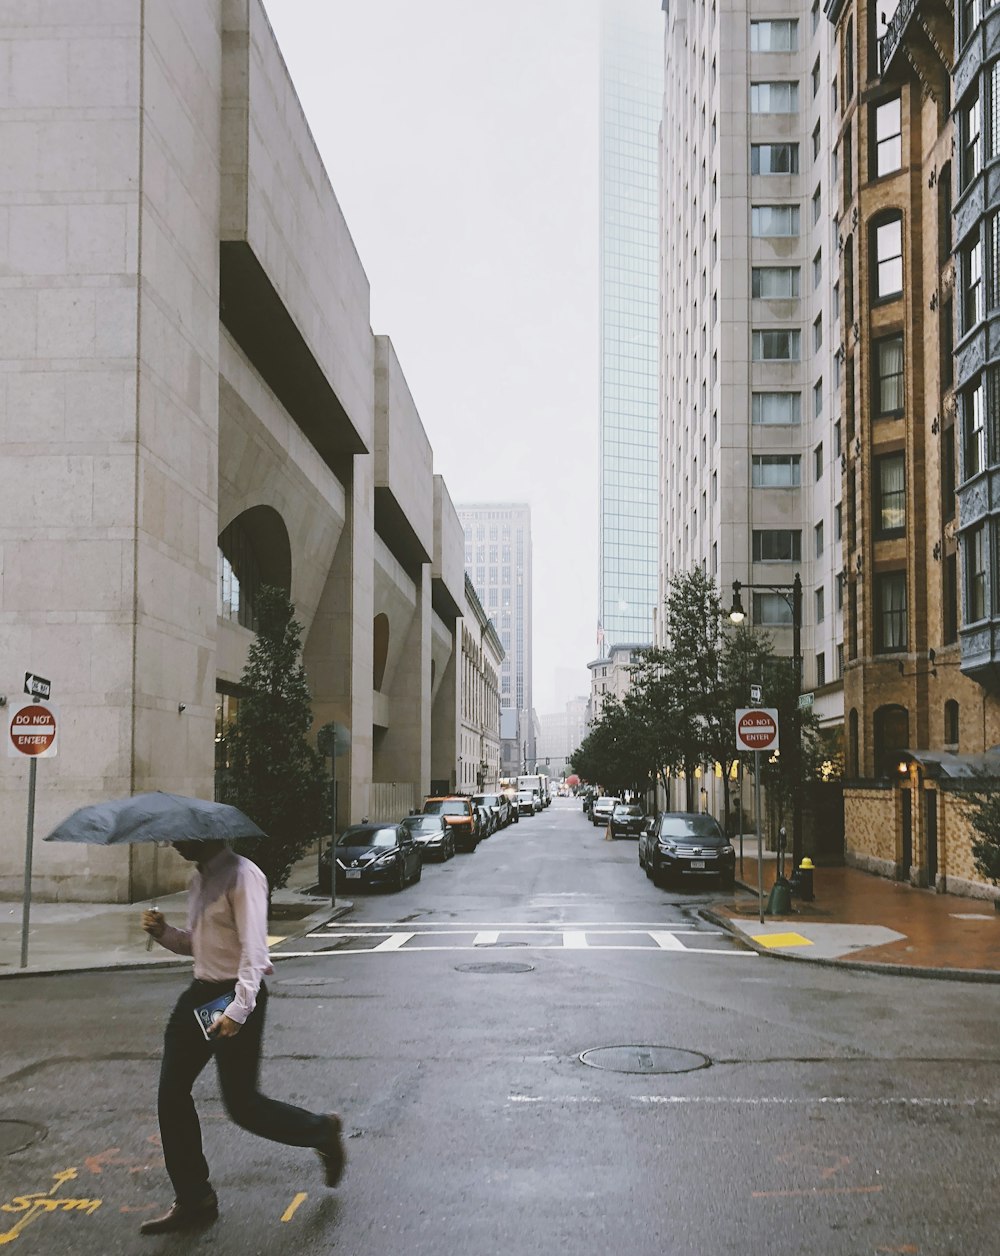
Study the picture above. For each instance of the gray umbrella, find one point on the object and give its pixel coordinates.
(154, 818)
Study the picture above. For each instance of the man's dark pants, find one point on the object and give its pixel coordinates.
(237, 1059)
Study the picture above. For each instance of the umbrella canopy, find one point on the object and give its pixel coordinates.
(154, 818)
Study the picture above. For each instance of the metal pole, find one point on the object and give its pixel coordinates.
(760, 844)
(797, 724)
(740, 804)
(333, 827)
(28, 846)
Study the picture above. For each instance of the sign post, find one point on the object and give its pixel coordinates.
(32, 732)
(757, 730)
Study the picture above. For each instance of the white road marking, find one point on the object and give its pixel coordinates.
(575, 940)
(489, 938)
(667, 941)
(760, 1101)
(463, 926)
(394, 942)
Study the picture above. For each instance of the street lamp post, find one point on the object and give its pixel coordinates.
(737, 614)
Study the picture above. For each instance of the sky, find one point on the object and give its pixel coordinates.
(461, 141)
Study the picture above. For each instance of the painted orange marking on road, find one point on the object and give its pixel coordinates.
(290, 1211)
(38, 1203)
(818, 1190)
(95, 1164)
(908, 1250)
(138, 1208)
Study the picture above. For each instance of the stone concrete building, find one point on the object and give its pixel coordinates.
(192, 403)
(482, 658)
(917, 234)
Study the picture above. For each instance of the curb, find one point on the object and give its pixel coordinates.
(315, 920)
(980, 976)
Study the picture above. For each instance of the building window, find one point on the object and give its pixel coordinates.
(840, 660)
(887, 401)
(887, 250)
(951, 723)
(970, 13)
(818, 462)
(974, 417)
(972, 285)
(817, 399)
(776, 346)
(993, 87)
(774, 36)
(849, 60)
(950, 617)
(970, 129)
(775, 471)
(820, 670)
(848, 146)
(776, 409)
(890, 612)
(891, 505)
(838, 520)
(888, 126)
(817, 269)
(820, 598)
(891, 735)
(777, 545)
(774, 221)
(817, 203)
(774, 159)
(771, 610)
(774, 282)
(948, 474)
(975, 567)
(774, 97)
(818, 333)
(818, 538)
(993, 260)
(815, 77)
(816, 140)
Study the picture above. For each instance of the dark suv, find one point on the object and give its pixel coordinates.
(627, 820)
(679, 845)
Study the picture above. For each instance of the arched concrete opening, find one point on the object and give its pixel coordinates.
(380, 649)
(253, 550)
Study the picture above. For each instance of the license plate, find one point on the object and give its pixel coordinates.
(697, 863)
(354, 874)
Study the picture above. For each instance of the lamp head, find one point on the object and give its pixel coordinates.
(736, 612)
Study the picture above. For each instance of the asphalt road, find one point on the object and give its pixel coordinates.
(825, 1113)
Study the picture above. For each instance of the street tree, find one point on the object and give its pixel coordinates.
(276, 777)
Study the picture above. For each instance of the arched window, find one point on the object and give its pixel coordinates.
(885, 248)
(853, 747)
(891, 729)
(253, 550)
(380, 649)
(951, 723)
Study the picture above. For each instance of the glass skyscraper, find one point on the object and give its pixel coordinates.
(631, 104)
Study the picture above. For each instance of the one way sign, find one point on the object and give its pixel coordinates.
(37, 686)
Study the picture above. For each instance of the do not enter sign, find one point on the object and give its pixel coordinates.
(32, 730)
(757, 729)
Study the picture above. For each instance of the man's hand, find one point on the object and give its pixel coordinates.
(224, 1027)
(154, 923)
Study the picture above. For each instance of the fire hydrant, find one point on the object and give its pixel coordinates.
(802, 880)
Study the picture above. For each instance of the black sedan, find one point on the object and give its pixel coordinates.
(678, 846)
(370, 855)
(627, 820)
(432, 835)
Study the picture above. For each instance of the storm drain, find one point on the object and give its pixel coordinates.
(16, 1135)
(644, 1059)
(494, 968)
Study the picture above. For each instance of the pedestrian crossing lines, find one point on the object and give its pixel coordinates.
(381, 938)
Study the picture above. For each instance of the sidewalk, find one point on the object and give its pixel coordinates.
(861, 920)
(66, 937)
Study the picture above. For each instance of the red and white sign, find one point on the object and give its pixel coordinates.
(757, 729)
(32, 730)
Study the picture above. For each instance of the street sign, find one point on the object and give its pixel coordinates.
(757, 729)
(756, 694)
(37, 686)
(32, 730)
(805, 701)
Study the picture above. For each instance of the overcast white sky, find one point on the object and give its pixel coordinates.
(461, 140)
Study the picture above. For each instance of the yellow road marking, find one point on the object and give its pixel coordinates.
(289, 1212)
(273, 939)
(776, 940)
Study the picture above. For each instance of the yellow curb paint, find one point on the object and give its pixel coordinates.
(273, 939)
(290, 1211)
(774, 941)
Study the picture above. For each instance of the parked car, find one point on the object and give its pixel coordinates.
(679, 845)
(370, 855)
(492, 804)
(459, 815)
(527, 802)
(485, 821)
(628, 819)
(432, 835)
(600, 812)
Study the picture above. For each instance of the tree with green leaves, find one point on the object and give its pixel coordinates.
(276, 777)
(983, 811)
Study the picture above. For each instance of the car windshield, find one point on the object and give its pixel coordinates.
(486, 800)
(608, 802)
(447, 807)
(368, 837)
(628, 810)
(422, 824)
(700, 828)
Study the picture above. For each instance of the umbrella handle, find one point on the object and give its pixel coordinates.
(149, 936)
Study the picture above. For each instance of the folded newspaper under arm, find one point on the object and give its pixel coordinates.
(209, 1013)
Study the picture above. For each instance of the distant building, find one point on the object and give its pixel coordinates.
(631, 93)
(482, 656)
(560, 734)
(612, 676)
(498, 562)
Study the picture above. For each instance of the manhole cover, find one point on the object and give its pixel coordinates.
(494, 968)
(644, 1059)
(16, 1135)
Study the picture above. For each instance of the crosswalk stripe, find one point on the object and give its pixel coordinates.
(394, 942)
(575, 940)
(488, 938)
(667, 941)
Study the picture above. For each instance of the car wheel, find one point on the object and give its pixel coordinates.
(420, 871)
(451, 850)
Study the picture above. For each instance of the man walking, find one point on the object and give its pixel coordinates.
(227, 935)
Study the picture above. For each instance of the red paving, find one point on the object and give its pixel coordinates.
(941, 930)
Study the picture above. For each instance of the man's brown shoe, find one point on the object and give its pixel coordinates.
(331, 1151)
(184, 1217)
